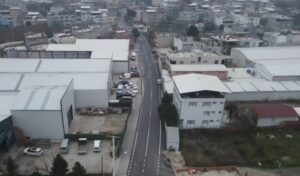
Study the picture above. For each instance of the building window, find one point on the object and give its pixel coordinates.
(192, 104)
(206, 113)
(211, 121)
(206, 104)
(214, 102)
(204, 122)
(216, 61)
(220, 112)
(181, 62)
(190, 122)
(221, 102)
(212, 112)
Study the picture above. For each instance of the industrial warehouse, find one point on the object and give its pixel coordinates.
(41, 94)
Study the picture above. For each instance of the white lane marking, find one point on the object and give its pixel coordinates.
(148, 133)
(159, 147)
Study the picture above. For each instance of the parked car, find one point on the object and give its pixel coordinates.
(159, 81)
(97, 145)
(125, 76)
(33, 151)
(135, 74)
(123, 82)
(82, 146)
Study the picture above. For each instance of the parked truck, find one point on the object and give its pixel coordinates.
(82, 146)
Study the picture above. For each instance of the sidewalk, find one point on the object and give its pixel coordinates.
(129, 137)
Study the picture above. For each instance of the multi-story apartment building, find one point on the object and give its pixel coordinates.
(246, 19)
(163, 40)
(199, 100)
(185, 43)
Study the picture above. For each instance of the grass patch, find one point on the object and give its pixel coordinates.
(219, 148)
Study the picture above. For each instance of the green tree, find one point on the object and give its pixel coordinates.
(130, 14)
(221, 27)
(36, 173)
(78, 170)
(192, 31)
(59, 166)
(232, 111)
(209, 27)
(166, 98)
(167, 111)
(11, 167)
(263, 21)
(135, 33)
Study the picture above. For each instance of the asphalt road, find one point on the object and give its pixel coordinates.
(145, 159)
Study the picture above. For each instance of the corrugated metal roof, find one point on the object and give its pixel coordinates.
(9, 81)
(198, 82)
(271, 53)
(198, 67)
(18, 65)
(274, 111)
(75, 65)
(40, 98)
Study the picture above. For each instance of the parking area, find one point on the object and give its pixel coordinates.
(91, 161)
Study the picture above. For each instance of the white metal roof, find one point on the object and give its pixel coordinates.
(101, 55)
(286, 67)
(40, 98)
(18, 65)
(291, 85)
(198, 67)
(9, 81)
(100, 48)
(198, 82)
(116, 56)
(271, 53)
(108, 45)
(260, 85)
(63, 47)
(55, 65)
(75, 65)
(82, 81)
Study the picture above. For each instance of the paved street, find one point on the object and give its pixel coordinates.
(146, 150)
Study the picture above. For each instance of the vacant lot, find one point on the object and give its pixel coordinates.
(270, 148)
(111, 123)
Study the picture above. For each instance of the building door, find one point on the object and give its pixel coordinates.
(70, 115)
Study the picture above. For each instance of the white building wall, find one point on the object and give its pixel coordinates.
(267, 122)
(67, 102)
(164, 40)
(92, 98)
(238, 58)
(177, 43)
(120, 67)
(200, 112)
(39, 124)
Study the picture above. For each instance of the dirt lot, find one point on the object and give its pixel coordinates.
(271, 148)
(111, 123)
(91, 161)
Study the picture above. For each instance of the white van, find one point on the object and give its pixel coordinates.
(64, 146)
(97, 145)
